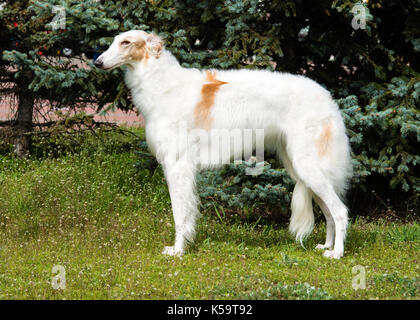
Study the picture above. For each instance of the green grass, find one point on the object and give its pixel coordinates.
(106, 224)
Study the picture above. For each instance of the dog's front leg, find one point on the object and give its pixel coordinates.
(180, 176)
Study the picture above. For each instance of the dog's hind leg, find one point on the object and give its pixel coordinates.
(309, 171)
(322, 188)
(329, 241)
(338, 212)
(180, 176)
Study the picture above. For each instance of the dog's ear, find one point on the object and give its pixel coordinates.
(154, 45)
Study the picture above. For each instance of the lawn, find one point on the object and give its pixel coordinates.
(104, 225)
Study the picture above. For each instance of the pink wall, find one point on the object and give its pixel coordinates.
(7, 107)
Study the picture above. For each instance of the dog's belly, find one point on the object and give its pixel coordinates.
(223, 146)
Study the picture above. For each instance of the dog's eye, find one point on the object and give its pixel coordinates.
(125, 42)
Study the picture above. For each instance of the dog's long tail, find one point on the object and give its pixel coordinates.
(302, 219)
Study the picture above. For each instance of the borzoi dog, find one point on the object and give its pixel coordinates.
(300, 121)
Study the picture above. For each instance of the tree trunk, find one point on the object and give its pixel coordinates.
(25, 111)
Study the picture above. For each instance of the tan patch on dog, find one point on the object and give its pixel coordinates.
(142, 49)
(138, 50)
(324, 139)
(208, 93)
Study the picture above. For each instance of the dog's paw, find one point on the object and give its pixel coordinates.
(171, 251)
(322, 247)
(333, 254)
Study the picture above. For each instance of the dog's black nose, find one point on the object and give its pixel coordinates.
(98, 63)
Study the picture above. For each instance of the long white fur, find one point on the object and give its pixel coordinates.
(292, 109)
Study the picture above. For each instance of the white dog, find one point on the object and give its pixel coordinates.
(301, 122)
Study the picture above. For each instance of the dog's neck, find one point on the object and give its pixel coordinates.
(148, 80)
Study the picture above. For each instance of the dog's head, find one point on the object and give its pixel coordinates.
(128, 48)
